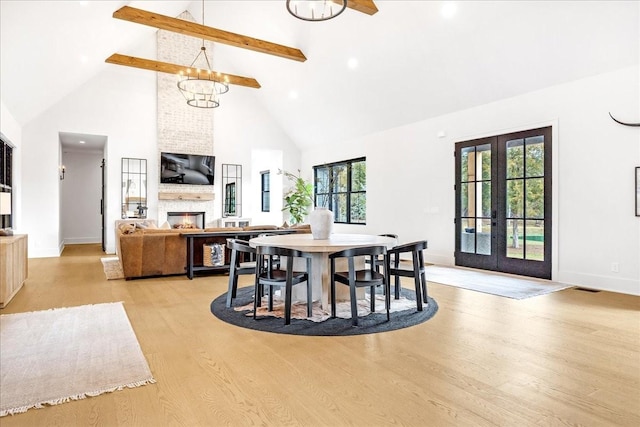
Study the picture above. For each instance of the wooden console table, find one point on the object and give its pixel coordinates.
(13, 266)
(194, 259)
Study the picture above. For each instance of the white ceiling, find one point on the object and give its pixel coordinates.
(413, 63)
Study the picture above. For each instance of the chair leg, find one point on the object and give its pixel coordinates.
(354, 304)
(256, 297)
(287, 302)
(309, 290)
(416, 279)
(233, 286)
(423, 279)
(396, 288)
(332, 290)
(270, 307)
(372, 291)
(387, 295)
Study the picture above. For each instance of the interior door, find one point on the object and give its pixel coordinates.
(503, 203)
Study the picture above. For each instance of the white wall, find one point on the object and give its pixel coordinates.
(410, 175)
(80, 197)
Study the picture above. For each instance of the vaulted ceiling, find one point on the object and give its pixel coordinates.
(410, 61)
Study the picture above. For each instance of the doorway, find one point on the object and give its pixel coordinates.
(503, 203)
(82, 188)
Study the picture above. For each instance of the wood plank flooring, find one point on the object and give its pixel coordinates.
(567, 358)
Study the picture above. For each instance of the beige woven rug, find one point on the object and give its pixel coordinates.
(55, 356)
(112, 268)
(504, 285)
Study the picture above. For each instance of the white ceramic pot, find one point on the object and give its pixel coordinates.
(321, 221)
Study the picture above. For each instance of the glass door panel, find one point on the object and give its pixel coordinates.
(503, 203)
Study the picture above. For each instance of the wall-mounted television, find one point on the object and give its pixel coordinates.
(193, 169)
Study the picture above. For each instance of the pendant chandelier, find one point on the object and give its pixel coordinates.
(201, 86)
(316, 10)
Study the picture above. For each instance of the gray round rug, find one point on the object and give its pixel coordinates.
(370, 324)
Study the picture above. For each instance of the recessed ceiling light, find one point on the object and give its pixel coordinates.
(449, 9)
(84, 59)
(293, 95)
(352, 63)
(81, 142)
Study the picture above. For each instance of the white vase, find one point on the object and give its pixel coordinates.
(321, 221)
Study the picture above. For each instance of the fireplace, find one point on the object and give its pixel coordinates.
(186, 220)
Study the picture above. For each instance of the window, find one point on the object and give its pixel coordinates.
(342, 187)
(265, 179)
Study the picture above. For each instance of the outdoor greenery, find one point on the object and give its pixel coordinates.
(525, 185)
(341, 187)
(298, 198)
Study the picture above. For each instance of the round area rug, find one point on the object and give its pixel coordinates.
(369, 324)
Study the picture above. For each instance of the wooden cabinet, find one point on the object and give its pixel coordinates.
(13, 266)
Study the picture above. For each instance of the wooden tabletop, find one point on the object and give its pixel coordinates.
(335, 242)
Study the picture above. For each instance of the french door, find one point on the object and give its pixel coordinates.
(503, 203)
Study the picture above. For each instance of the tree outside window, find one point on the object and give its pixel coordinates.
(342, 188)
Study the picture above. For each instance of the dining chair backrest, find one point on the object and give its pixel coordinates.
(283, 276)
(356, 278)
(240, 246)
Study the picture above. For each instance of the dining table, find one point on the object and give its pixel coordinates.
(320, 249)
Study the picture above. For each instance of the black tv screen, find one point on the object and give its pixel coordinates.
(194, 169)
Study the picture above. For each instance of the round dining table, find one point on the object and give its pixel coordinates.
(320, 250)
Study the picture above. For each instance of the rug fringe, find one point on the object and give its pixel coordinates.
(40, 405)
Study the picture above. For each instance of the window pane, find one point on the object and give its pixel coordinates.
(322, 180)
(514, 233)
(340, 207)
(358, 208)
(534, 243)
(359, 176)
(467, 164)
(467, 199)
(535, 156)
(483, 236)
(468, 236)
(515, 198)
(340, 178)
(515, 159)
(484, 207)
(484, 155)
(535, 198)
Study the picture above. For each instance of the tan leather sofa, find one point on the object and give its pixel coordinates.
(147, 251)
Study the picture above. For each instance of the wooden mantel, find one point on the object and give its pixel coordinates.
(185, 196)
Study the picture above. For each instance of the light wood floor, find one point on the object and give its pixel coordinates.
(568, 358)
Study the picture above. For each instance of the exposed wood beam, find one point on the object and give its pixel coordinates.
(165, 67)
(193, 29)
(364, 6)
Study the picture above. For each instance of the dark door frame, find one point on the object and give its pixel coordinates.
(497, 259)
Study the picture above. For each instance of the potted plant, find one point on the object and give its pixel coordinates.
(299, 197)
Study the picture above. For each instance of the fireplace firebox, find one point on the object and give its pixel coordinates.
(186, 220)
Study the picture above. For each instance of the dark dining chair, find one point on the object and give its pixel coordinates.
(241, 263)
(380, 259)
(417, 270)
(283, 277)
(369, 277)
